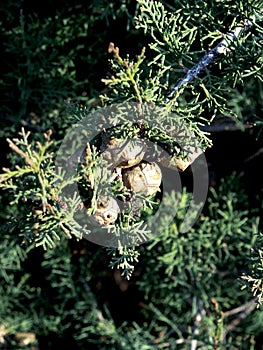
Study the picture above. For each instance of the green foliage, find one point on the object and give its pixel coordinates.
(189, 281)
(191, 275)
(54, 285)
(41, 218)
(46, 60)
(180, 38)
(254, 277)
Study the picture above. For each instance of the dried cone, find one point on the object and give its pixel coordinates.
(123, 153)
(144, 178)
(107, 211)
(176, 162)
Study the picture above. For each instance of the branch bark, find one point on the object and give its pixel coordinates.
(211, 56)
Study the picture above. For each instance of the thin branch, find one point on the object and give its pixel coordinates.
(41, 179)
(224, 125)
(258, 153)
(211, 56)
(16, 149)
(175, 342)
(128, 68)
(241, 308)
(95, 304)
(198, 319)
(243, 311)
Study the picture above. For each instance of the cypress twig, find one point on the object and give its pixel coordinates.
(210, 57)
